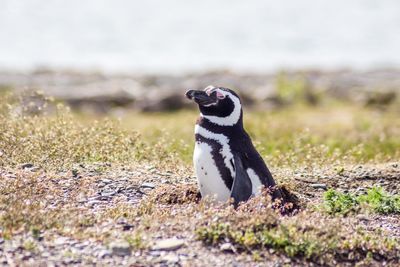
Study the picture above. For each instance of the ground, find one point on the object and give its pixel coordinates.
(81, 189)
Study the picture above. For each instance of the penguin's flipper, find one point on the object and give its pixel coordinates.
(242, 187)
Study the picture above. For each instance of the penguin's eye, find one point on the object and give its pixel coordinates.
(220, 95)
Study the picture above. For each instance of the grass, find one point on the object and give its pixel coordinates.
(375, 200)
(60, 141)
(295, 136)
(136, 241)
(321, 142)
(308, 237)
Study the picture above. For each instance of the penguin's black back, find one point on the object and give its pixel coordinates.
(240, 142)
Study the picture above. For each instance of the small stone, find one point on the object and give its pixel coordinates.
(319, 186)
(94, 202)
(74, 172)
(362, 217)
(226, 247)
(34, 169)
(155, 253)
(148, 185)
(127, 227)
(46, 254)
(120, 248)
(121, 220)
(103, 253)
(171, 258)
(360, 190)
(26, 166)
(183, 256)
(26, 256)
(149, 168)
(68, 260)
(106, 181)
(60, 241)
(168, 244)
(108, 193)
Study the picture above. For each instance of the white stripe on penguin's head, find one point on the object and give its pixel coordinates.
(209, 89)
(232, 118)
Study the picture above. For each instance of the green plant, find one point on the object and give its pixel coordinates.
(375, 200)
(136, 241)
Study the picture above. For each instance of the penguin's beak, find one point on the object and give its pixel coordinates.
(200, 97)
(190, 94)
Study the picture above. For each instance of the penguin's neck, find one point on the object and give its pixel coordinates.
(228, 131)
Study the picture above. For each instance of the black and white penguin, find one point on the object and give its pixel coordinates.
(225, 160)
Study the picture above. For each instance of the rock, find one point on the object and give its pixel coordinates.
(60, 241)
(170, 258)
(103, 253)
(168, 244)
(120, 248)
(319, 186)
(108, 193)
(362, 217)
(74, 173)
(106, 181)
(127, 227)
(148, 185)
(94, 202)
(26, 166)
(227, 247)
(287, 260)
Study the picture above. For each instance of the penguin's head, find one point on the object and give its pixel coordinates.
(220, 105)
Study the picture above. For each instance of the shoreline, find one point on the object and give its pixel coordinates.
(164, 92)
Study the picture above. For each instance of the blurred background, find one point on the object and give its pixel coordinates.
(144, 54)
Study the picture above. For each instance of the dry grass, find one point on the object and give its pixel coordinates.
(70, 153)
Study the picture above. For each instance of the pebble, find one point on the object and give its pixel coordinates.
(60, 241)
(226, 247)
(148, 185)
(26, 166)
(127, 227)
(362, 217)
(103, 253)
(170, 258)
(120, 248)
(319, 186)
(287, 260)
(94, 202)
(108, 193)
(155, 253)
(106, 181)
(168, 244)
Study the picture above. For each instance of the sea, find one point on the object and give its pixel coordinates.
(184, 36)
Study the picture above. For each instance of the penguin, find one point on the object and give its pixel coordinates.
(225, 160)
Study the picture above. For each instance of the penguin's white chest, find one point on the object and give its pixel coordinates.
(209, 178)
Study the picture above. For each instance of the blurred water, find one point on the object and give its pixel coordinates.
(187, 35)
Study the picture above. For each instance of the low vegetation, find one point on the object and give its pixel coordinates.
(307, 236)
(129, 178)
(375, 200)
